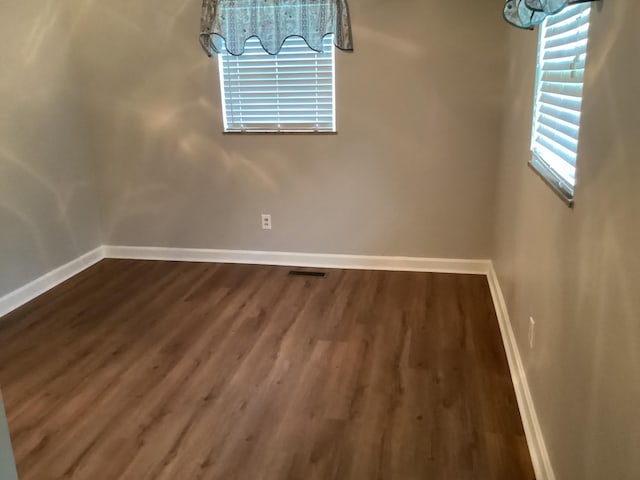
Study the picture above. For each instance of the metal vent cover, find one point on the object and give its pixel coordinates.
(306, 273)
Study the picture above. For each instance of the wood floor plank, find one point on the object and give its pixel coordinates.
(165, 370)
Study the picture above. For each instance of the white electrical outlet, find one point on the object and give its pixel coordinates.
(532, 328)
(266, 221)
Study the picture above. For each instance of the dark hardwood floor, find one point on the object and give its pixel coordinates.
(160, 370)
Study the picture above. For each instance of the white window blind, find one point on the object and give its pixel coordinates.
(292, 91)
(562, 56)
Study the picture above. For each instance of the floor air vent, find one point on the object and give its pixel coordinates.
(300, 273)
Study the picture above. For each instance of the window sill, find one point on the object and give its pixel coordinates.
(276, 132)
(549, 177)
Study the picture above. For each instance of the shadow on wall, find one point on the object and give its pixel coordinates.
(47, 181)
(21, 181)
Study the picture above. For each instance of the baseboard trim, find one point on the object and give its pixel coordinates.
(537, 447)
(356, 262)
(22, 295)
(28, 292)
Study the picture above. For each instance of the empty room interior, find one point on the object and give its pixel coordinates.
(320, 239)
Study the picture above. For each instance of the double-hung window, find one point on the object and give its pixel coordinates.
(292, 91)
(562, 55)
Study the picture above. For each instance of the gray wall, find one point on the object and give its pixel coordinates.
(48, 201)
(411, 171)
(7, 462)
(577, 272)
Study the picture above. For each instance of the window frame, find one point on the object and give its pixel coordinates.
(281, 129)
(545, 168)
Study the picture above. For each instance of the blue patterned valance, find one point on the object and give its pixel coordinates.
(529, 13)
(229, 23)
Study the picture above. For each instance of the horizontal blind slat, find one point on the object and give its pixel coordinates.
(566, 51)
(560, 113)
(295, 96)
(567, 128)
(564, 76)
(574, 25)
(285, 129)
(559, 88)
(287, 59)
(299, 116)
(266, 80)
(286, 111)
(567, 14)
(562, 152)
(557, 136)
(564, 101)
(273, 92)
(248, 69)
(576, 36)
(564, 64)
(297, 103)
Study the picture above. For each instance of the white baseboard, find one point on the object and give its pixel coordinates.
(537, 447)
(358, 262)
(28, 292)
(39, 286)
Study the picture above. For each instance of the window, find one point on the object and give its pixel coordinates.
(292, 91)
(562, 55)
